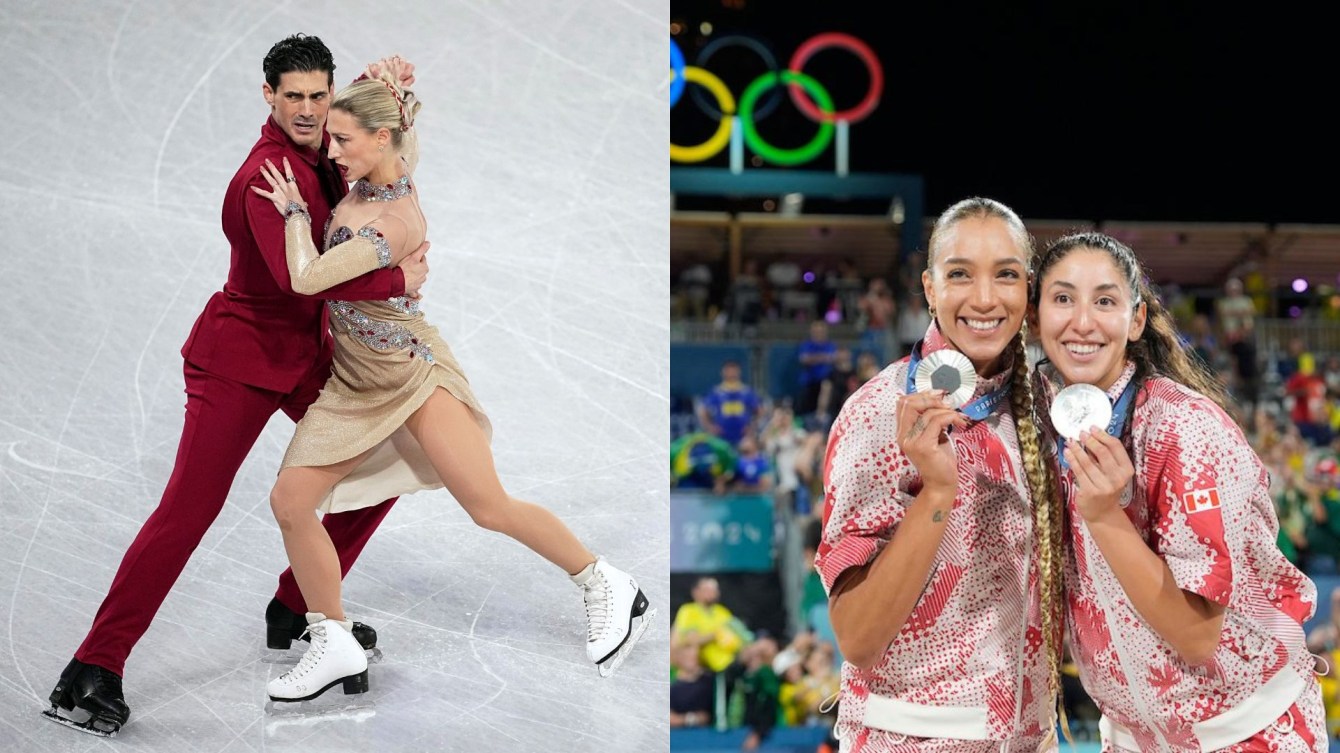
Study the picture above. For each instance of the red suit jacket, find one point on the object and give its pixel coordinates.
(257, 330)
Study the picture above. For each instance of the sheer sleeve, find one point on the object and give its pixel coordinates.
(311, 272)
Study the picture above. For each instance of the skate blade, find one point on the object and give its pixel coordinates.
(610, 665)
(282, 720)
(289, 713)
(82, 726)
(292, 656)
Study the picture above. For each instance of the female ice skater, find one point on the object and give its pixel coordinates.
(397, 412)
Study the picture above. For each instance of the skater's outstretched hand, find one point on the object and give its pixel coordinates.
(285, 187)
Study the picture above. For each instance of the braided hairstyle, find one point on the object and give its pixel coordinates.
(1159, 350)
(1043, 492)
(377, 103)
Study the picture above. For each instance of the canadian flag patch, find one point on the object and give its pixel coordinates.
(1200, 500)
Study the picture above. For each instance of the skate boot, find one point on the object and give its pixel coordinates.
(333, 657)
(616, 614)
(283, 626)
(94, 697)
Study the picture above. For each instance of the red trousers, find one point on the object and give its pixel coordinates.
(223, 420)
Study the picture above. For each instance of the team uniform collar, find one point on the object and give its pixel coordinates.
(1118, 387)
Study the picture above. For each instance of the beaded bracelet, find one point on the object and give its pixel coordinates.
(294, 209)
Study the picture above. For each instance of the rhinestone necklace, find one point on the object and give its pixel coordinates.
(389, 192)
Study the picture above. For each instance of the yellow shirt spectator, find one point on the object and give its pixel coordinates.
(710, 626)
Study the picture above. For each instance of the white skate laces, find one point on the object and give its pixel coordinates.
(599, 605)
(315, 650)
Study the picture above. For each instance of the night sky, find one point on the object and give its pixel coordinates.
(1167, 114)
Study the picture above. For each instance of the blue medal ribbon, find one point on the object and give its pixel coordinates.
(977, 409)
(1120, 408)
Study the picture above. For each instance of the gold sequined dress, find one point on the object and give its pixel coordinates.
(388, 360)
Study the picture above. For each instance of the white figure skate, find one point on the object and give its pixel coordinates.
(617, 614)
(334, 656)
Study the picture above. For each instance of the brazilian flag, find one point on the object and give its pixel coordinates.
(698, 459)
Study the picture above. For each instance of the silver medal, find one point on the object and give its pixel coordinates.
(1079, 407)
(947, 370)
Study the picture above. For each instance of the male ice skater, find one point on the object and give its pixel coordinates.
(257, 347)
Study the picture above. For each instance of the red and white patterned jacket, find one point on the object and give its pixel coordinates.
(1200, 498)
(962, 672)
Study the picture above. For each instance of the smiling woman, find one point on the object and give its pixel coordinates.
(976, 283)
(1088, 318)
(931, 505)
(1185, 617)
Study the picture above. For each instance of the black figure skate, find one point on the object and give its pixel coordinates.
(93, 697)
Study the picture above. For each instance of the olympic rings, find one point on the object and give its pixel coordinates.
(855, 46)
(801, 155)
(808, 95)
(719, 139)
(754, 46)
(677, 82)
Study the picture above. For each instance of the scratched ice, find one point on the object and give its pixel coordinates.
(544, 180)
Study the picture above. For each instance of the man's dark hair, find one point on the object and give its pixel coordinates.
(298, 53)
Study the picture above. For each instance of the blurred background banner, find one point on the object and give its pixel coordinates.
(710, 533)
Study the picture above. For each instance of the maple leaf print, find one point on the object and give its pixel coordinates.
(1163, 677)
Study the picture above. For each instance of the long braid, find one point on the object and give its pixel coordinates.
(1047, 517)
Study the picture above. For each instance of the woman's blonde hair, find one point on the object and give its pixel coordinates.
(377, 103)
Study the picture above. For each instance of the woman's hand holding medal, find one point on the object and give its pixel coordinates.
(924, 419)
(1102, 470)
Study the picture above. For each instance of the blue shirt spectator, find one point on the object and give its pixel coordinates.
(816, 355)
(731, 410)
(753, 471)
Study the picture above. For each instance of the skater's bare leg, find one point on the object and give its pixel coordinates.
(456, 446)
(316, 565)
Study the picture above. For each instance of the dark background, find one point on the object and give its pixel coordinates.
(1189, 113)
